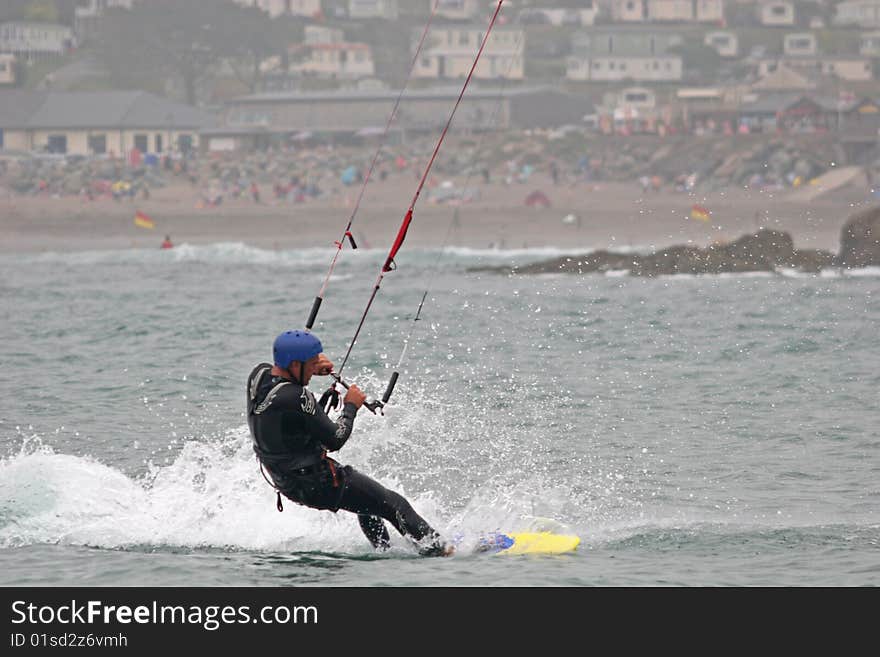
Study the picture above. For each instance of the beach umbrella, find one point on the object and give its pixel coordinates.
(349, 175)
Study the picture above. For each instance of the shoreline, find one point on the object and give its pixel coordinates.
(609, 215)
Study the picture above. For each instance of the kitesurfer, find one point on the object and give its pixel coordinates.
(292, 435)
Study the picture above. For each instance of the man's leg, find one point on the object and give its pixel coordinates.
(367, 497)
(375, 531)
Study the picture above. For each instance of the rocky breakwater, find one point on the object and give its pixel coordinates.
(860, 240)
(764, 251)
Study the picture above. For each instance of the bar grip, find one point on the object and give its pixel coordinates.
(390, 388)
(312, 315)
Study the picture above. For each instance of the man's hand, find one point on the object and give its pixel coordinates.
(354, 396)
(324, 366)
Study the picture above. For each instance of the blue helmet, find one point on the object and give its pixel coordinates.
(293, 346)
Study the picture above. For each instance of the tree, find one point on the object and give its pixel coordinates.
(41, 11)
(247, 36)
(700, 61)
(13, 10)
(186, 39)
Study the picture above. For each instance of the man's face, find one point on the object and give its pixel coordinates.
(309, 368)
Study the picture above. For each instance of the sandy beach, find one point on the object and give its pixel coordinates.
(609, 215)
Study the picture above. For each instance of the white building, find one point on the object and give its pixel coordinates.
(855, 68)
(726, 44)
(583, 17)
(98, 123)
(386, 9)
(32, 41)
(779, 13)
(800, 44)
(320, 34)
(709, 11)
(457, 10)
(869, 44)
(337, 60)
(862, 13)
(450, 52)
(667, 11)
(307, 8)
(638, 98)
(618, 55)
(628, 11)
(7, 69)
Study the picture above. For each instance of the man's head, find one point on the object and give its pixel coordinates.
(296, 352)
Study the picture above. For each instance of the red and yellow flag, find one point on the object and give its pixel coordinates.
(700, 213)
(143, 221)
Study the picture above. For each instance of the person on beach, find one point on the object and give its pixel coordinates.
(292, 435)
(166, 243)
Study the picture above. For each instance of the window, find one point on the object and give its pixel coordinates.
(636, 98)
(185, 143)
(778, 11)
(159, 148)
(57, 144)
(97, 144)
(141, 143)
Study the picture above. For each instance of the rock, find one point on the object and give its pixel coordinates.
(860, 240)
(766, 250)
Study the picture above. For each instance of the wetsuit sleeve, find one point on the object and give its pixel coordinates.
(333, 435)
(309, 418)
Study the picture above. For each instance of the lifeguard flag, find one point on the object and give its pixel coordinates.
(143, 221)
(700, 213)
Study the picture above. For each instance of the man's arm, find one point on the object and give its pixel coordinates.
(333, 435)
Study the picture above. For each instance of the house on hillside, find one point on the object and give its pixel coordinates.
(800, 44)
(616, 55)
(667, 11)
(869, 44)
(458, 10)
(853, 68)
(304, 8)
(726, 44)
(387, 9)
(8, 65)
(338, 60)
(776, 13)
(861, 13)
(449, 53)
(35, 41)
(628, 11)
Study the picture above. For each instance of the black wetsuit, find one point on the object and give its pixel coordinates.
(291, 437)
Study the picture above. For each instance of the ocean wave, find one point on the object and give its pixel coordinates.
(210, 496)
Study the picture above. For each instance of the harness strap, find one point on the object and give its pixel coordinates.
(278, 504)
(332, 465)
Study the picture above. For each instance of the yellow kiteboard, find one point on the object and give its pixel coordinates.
(528, 543)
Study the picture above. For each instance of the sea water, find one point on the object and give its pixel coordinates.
(708, 430)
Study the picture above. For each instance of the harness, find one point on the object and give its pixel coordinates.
(308, 465)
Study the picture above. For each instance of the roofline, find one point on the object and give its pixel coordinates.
(391, 94)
